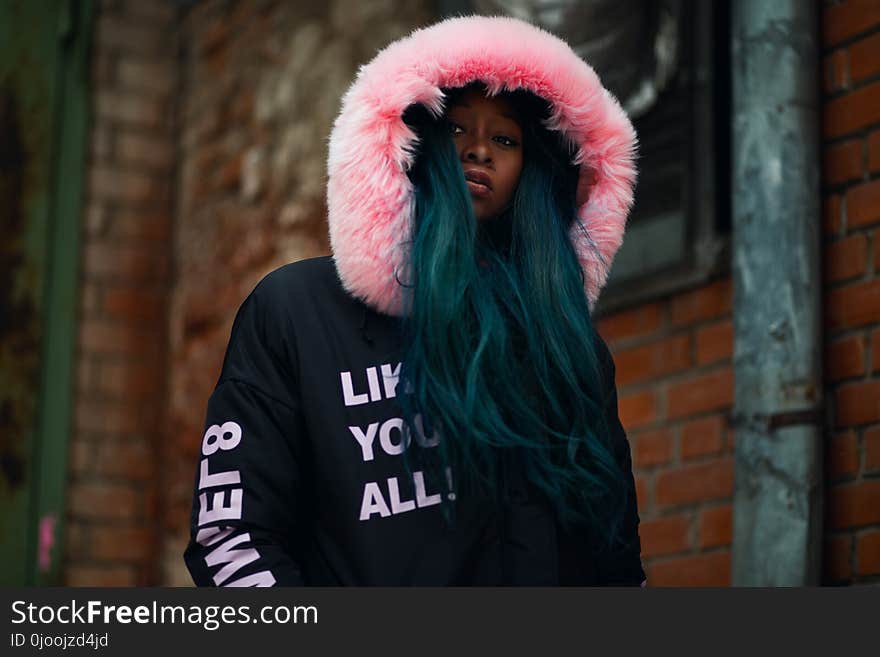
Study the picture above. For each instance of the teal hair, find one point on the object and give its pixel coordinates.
(499, 343)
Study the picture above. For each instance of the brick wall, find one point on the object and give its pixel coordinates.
(111, 536)
(675, 390)
(851, 192)
(262, 84)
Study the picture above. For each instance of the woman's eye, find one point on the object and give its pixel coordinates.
(455, 129)
(505, 141)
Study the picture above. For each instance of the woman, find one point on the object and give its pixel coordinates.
(431, 404)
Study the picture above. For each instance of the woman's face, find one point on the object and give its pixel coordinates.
(488, 138)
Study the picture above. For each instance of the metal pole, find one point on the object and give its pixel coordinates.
(777, 331)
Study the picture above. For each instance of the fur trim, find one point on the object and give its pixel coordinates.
(370, 199)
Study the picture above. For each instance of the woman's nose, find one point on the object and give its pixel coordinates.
(477, 150)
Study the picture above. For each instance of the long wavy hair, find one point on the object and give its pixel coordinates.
(499, 355)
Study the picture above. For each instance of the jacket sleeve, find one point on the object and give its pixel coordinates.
(248, 484)
(624, 566)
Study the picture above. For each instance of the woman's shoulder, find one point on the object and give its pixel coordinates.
(304, 282)
(299, 274)
(308, 287)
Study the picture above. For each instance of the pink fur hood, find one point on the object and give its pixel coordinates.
(370, 198)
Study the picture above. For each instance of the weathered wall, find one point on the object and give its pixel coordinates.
(262, 84)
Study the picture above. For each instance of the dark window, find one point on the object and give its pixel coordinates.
(677, 234)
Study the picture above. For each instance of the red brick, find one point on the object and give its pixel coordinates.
(76, 547)
(101, 142)
(137, 305)
(872, 448)
(666, 535)
(96, 214)
(876, 251)
(695, 483)
(842, 454)
(103, 69)
(701, 437)
(837, 558)
(653, 360)
(846, 358)
(155, 76)
(874, 151)
(716, 526)
(642, 494)
(711, 569)
(131, 226)
(132, 109)
(208, 161)
(844, 20)
(832, 214)
(854, 505)
(864, 58)
(130, 459)
(115, 33)
(846, 258)
(124, 185)
(229, 175)
(835, 68)
(104, 501)
(215, 62)
(130, 380)
(715, 343)
(81, 457)
(868, 553)
(707, 302)
(160, 13)
(852, 112)
(214, 37)
(854, 305)
(637, 322)
(843, 162)
(125, 263)
(86, 373)
(701, 393)
(202, 127)
(863, 205)
(92, 576)
(637, 409)
(875, 345)
(147, 151)
(652, 448)
(106, 338)
(90, 298)
(858, 403)
(121, 543)
(731, 440)
(241, 110)
(107, 417)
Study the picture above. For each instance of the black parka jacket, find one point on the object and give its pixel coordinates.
(301, 478)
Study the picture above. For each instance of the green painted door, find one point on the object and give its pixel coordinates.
(43, 119)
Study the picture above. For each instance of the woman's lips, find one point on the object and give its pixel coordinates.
(479, 183)
(478, 189)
